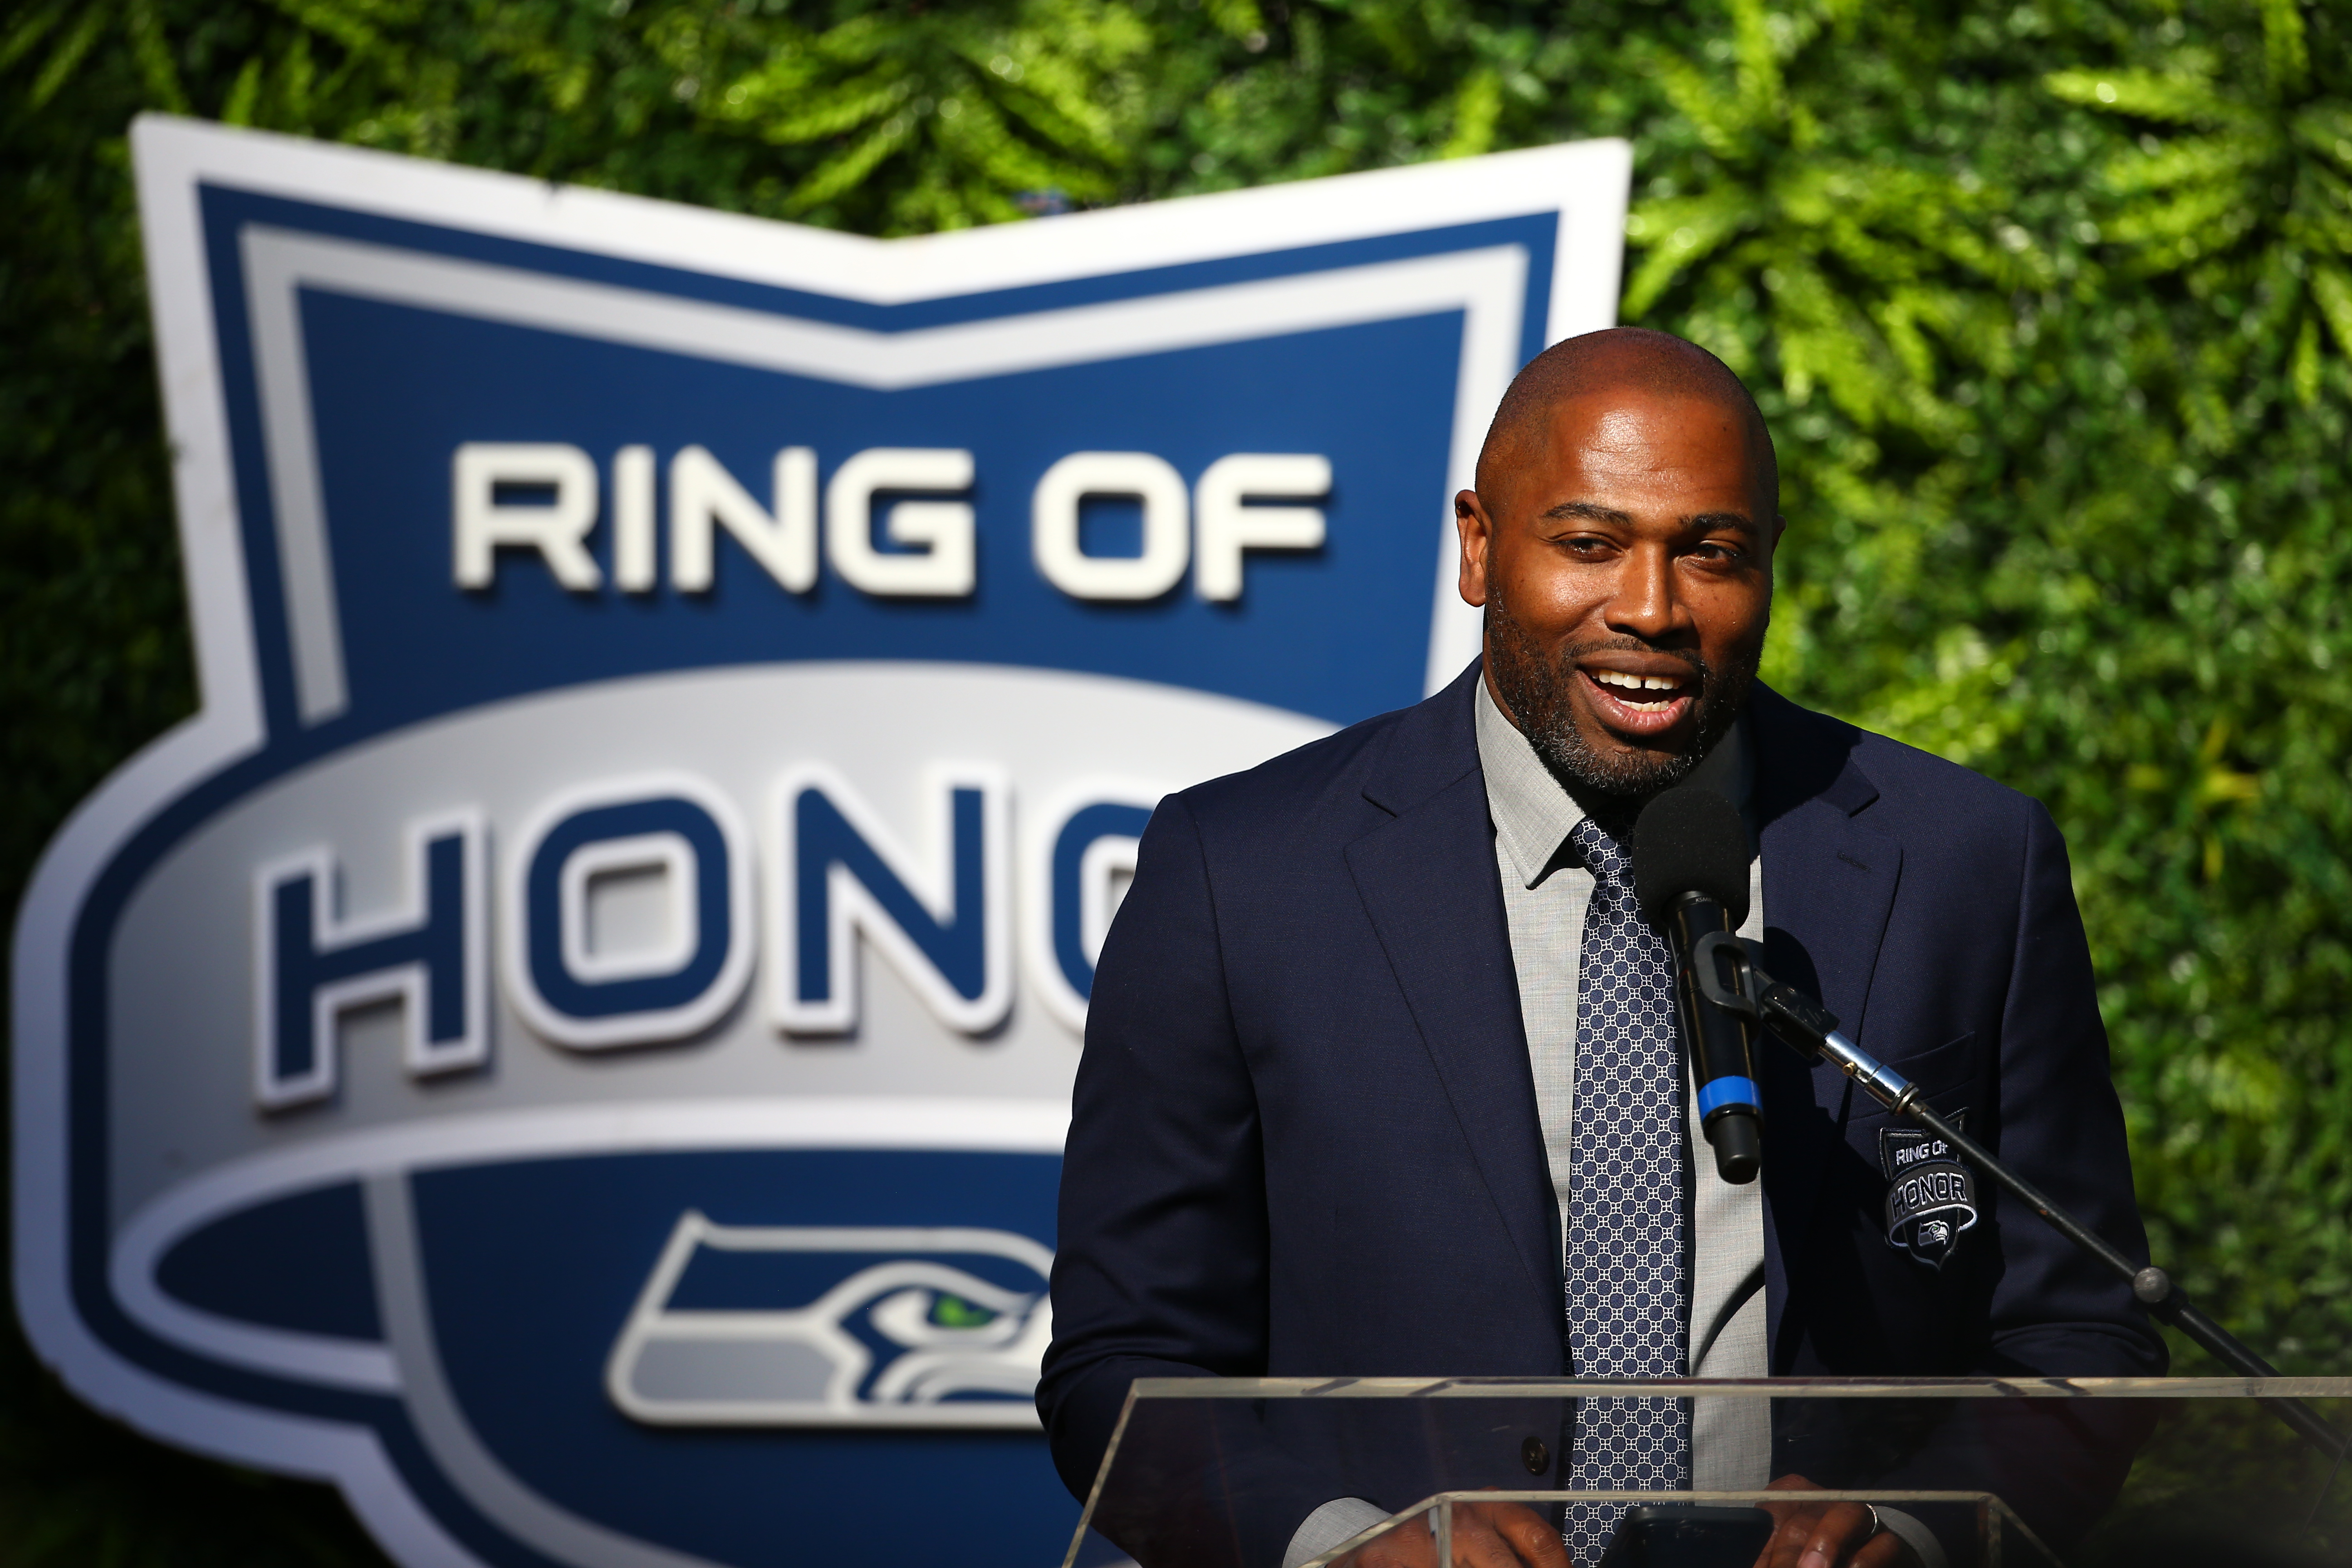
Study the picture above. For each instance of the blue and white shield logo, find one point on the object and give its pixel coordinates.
(573, 1043)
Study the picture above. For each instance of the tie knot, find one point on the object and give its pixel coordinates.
(1599, 854)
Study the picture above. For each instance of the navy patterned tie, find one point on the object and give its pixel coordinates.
(1626, 1220)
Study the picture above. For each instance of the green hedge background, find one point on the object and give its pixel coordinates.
(2050, 304)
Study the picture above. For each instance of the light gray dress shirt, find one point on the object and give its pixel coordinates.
(1543, 899)
(1544, 902)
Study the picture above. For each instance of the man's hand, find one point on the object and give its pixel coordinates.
(1828, 1534)
(1485, 1535)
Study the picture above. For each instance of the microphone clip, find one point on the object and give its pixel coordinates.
(1710, 976)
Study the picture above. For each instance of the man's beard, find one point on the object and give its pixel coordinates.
(1535, 692)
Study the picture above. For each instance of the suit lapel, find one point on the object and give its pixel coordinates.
(1428, 880)
(1829, 883)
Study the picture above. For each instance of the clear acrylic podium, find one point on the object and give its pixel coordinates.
(2004, 1473)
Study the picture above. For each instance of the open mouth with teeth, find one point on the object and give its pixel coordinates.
(1640, 704)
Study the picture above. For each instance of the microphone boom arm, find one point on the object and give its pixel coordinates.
(1811, 1030)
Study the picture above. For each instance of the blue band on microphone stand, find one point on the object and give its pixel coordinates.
(1715, 1095)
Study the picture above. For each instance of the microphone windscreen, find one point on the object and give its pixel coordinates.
(1690, 840)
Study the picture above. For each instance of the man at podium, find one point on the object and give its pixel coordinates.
(1383, 1074)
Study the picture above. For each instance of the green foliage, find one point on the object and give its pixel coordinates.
(2063, 422)
(972, 107)
(77, 1491)
(2049, 305)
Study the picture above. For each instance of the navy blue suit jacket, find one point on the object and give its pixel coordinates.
(1305, 1142)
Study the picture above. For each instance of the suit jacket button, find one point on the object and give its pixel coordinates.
(1534, 1455)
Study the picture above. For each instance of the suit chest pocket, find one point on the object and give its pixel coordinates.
(1941, 1071)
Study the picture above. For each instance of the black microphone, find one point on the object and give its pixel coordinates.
(1690, 875)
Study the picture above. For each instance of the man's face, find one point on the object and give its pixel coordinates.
(1626, 571)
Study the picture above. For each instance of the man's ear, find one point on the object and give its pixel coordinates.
(1477, 533)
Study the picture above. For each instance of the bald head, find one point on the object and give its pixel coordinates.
(1620, 542)
(1623, 361)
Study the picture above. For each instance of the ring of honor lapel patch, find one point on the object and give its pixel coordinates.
(1931, 1197)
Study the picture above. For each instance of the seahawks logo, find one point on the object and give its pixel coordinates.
(899, 1327)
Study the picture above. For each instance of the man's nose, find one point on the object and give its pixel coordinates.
(1645, 605)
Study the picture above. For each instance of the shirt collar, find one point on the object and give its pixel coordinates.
(1533, 816)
